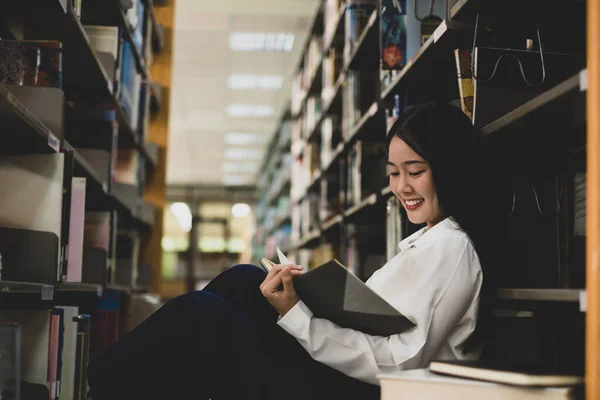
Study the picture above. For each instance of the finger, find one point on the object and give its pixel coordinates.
(296, 273)
(275, 269)
(286, 279)
(272, 285)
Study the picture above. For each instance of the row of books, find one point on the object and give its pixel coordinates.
(354, 245)
(355, 175)
(302, 81)
(131, 88)
(39, 63)
(47, 210)
(273, 211)
(329, 54)
(45, 352)
(65, 212)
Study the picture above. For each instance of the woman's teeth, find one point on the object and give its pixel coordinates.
(413, 202)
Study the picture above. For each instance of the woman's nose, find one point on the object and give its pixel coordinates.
(403, 186)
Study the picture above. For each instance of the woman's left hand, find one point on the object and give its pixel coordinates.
(278, 287)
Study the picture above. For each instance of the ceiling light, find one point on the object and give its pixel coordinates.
(167, 243)
(236, 167)
(249, 110)
(240, 210)
(253, 81)
(183, 214)
(244, 139)
(237, 180)
(241, 153)
(261, 41)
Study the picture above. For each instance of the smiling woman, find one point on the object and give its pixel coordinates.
(249, 336)
(434, 171)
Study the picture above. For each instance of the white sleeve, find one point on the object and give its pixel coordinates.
(440, 298)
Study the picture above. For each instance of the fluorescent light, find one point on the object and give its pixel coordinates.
(261, 41)
(240, 210)
(244, 139)
(237, 180)
(237, 167)
(241, 153)
(167, 243)
(183, 214)
(254, 81)
(249, 110)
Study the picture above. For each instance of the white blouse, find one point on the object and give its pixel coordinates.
(434, 281)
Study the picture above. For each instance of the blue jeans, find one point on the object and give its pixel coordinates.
(220, 343)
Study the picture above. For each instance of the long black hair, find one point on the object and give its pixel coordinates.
(444, 136)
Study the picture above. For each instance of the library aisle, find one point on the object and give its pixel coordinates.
(150, 145)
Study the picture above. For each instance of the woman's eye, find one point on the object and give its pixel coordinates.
(394, 173)
(416, 173)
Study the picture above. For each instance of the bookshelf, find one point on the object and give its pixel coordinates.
(539, 135)
(25, 132)
(593, 216)
(81, 153)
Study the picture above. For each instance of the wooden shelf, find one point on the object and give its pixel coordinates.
(464, 11)
(335, 157)
(547, 295)
(565, 100)
(315, 25)
(366, 202)
(78, 287)
(328, 109)
(84, 169)
(39, 291)
(337, 29)
(77, 294)
(314, 86)
(371, 121)
(23, 132)
(386, 192)
(308, 240)
(332, 223)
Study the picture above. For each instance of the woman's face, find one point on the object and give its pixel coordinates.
(411, 180)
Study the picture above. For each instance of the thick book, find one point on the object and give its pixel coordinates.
(423, 384)
(534, 375)
(332, 292)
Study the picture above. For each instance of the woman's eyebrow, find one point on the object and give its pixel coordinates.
(411, 162)
(391, 163)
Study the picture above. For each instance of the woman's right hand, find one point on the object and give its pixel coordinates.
(278, 287)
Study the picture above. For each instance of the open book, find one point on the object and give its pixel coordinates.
(334, 293)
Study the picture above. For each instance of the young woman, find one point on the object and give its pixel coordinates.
(248, 336)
